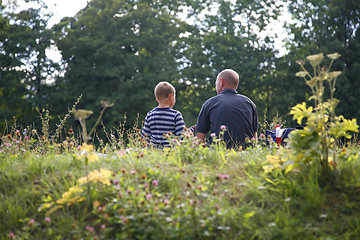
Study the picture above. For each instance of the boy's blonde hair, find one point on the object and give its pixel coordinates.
(163, 89)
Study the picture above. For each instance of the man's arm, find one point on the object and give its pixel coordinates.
(201, 136)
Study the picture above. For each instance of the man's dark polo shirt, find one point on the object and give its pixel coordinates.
(237, 112)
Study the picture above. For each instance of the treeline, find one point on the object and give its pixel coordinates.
(117, 50)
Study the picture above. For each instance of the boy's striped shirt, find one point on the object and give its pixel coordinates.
(160, 121)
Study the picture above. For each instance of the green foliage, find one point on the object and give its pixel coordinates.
(183, 192)
(318, 141)
(324, 26)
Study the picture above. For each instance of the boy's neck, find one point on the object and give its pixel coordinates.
(163, 105)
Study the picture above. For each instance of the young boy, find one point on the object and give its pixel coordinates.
(162, 119)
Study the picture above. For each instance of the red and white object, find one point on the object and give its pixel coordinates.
(278, 134)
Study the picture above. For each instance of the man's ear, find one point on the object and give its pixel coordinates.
(221, 83)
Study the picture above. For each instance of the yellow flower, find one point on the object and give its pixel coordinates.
(71, 196)
(102, 176)
(86, 148)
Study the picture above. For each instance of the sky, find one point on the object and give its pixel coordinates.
(64, 8)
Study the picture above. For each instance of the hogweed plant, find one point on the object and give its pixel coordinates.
(82, 115)
(319, 139)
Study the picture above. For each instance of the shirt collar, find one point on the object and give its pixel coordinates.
(229, 90)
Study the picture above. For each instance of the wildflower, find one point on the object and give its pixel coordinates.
(132, 172)
(316, 59)
(24, 133)
(323, 216)
(222, 176)
(287, 199)
(121, 153)
(89, 228)
(102, 176)
(82, 114)
(213, 135)
(17, 133)
(262, 136)
(31, 222)
(11, 235)
(223, 127)
(301, 74)
(9, 136)
(71, 196)
(71, 131)
(333, 56)
(48, 220)
(96, 204)
(166, 202)
(148, 197)
(146, 185)
(155, 183)
(116, 182)
(103, 226)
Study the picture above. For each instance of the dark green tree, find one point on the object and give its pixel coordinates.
(118, 50)
(228, 38)
(325, 26)
(24, 66)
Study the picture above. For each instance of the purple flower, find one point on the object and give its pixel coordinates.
(146, 185)
(132, 172)
(213, 135)
(155, 183)
(166, 201)
(262, 136)
(148, 197)
(116, 181)
(31, 222)
(223, 127)
(11, 235)
(89, 229)
(48, 220)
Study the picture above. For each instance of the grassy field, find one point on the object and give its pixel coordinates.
(185, 192)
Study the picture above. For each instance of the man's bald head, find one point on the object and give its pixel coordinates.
(230, 77)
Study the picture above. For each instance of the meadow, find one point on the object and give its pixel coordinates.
(121, 189)
(184, 192)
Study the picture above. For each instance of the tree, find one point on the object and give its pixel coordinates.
(228, 38)
(324, 26)
(24, 66)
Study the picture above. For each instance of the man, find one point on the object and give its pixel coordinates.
(228, 111)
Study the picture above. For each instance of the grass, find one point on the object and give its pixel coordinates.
(186, 192)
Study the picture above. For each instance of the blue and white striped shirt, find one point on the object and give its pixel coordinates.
(160, 121)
